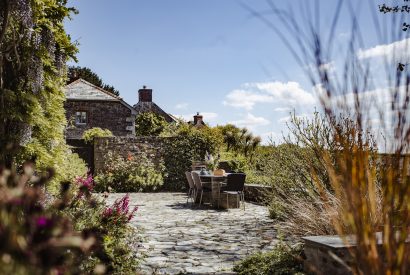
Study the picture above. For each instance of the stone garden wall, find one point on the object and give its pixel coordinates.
(155, 148)
(152, 147)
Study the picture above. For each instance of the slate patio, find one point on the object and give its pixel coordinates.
(178, 239)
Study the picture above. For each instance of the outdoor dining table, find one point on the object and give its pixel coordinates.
(215, 183)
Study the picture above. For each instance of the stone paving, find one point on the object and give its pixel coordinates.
(179, 239)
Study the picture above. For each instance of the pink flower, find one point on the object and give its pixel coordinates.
(120, 210)
(85, 184)
(42, 221)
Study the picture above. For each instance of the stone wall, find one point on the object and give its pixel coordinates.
(331, 254)
(257, 193)
(110, 115)
(151, 146)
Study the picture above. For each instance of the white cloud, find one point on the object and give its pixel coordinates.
(181, 106)
(329, 67)
(397, 49)
(246, 99)
(250, 121)
(290, 93)
(209, 116)
(283, 109)
(286, 94)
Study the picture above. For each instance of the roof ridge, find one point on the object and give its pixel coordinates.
(95, 86)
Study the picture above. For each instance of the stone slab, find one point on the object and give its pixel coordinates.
(177, 237)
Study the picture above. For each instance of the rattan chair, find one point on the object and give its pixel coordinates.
(192, 189)
(235, 185)
(198, 186)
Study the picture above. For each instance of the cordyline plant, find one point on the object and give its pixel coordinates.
(377, 103)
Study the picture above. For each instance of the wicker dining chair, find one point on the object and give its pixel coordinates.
(192, 189)
(199, 187)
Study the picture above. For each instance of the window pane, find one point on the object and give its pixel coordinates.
(81, 117)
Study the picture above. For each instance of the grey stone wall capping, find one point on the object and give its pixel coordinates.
(336, 242)
(330, 241)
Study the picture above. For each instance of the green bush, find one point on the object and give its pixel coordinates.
(92, 133)
(149, 124)
(187, 144)
(280, 261)
(66, 165)
(131, 174)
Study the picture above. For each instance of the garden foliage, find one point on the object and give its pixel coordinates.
(34, 48)
(375, 96)
(296, 171)
(187, 144)
(130, 174)
(43, 233)
(149, 124)
(282, 260)
(239, 140)
(90, 134)
(63, 235)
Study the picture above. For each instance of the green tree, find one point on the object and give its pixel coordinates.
(149, 124)
(34, 49)
(239, 140)
(76, 72)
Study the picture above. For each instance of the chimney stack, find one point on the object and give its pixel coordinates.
(198, 119)
(144, 94)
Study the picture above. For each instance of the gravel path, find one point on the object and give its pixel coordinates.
(179, 239)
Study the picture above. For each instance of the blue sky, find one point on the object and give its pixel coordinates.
(208, 56)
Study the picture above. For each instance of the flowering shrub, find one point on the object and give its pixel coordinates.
(119, 212)
(35, 238)
(116, 237)
(84, 184)
(65, 235)
(132, 174)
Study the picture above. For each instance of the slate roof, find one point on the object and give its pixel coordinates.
(143, 107)
(84, 90)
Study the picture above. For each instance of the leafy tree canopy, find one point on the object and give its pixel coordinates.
(239, 140)
(149, 124)
(76, 72)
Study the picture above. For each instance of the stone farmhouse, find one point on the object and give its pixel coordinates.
(89, 106)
